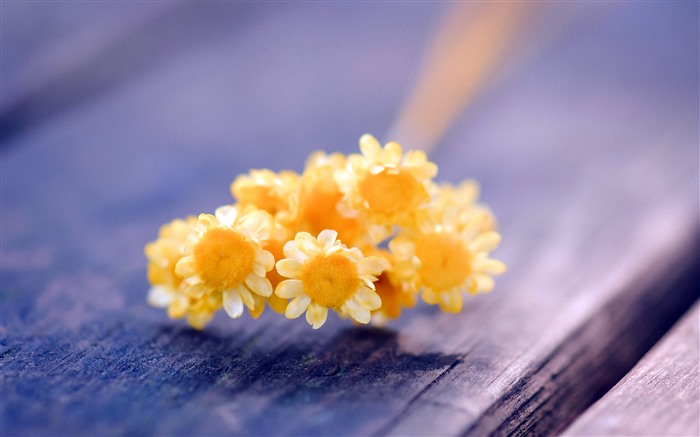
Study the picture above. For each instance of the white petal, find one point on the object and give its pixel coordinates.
(160, 297)
(486, 242)
(356, 164)
(372, 265)
(415, 158)
(345, 180)
(289, 289)
(473, 224)
(185, 267)
(255, 225)
(206, 222)
(259, 306)
(368, 281)
(233, 304)
(306, 243)
(297, 306)
(393, 153)
(402, 248)
(368, 298)
(379, 233)
(246, 297)
(291, 250)
(316, 315)
(258, 284)
(259, 270)
(197, 289)
(483, 282)
(289, 268)
(226, 214)
(490, 266)
(326, 238)
(357, 311)
(265, 259)
(370, 147)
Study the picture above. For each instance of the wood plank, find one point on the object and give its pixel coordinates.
(596, 195)
(660, 396)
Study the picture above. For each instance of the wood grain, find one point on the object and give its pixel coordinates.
(588, 157)
(660, 396)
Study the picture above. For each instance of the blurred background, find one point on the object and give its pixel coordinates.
(160, 104)
(117, 117)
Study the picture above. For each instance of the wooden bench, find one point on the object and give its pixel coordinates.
(118, 117)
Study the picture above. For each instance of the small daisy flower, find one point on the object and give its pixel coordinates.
(200, 311)
(276, 193)
(167, 289)
(460, 204)
(226, 257)
(387, 185)
(279, 236)
(396, 291)
(325, 274)
(163, 254)
(453, 257)
(320, 196)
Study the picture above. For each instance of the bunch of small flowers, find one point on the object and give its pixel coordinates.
(363, 235)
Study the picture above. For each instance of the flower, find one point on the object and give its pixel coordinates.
(396, 291)
(387, 185)
(167, 290)
(325, 274)
(319, 198)
(276, 193)
(164, 253)
(460, 204)
(453, 256)
(385, 233)
(279, 236)
(225, 257)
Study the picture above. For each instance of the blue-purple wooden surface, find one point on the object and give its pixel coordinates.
(118, 117)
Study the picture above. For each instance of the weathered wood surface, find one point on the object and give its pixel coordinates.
(660, 396)
(588, 155)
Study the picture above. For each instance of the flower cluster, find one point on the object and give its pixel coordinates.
(364, 235)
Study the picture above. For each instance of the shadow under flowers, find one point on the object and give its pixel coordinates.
(335, 385)
(118, 377)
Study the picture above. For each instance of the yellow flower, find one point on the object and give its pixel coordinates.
(200, 311)
(387, 185)
(226, 256)
(167, 289)
(453, 256)
(280, 235)
(460, 203)
(319, 199)
(276, 193)
(163, 254)
(325, 274)
(396, 292)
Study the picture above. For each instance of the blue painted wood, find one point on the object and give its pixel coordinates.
(588, 155)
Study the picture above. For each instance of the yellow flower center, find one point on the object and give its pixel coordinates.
(445, 262)
(223, 258)
(262, 197)
(320, 212)
(389, 193)
(330, 280)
